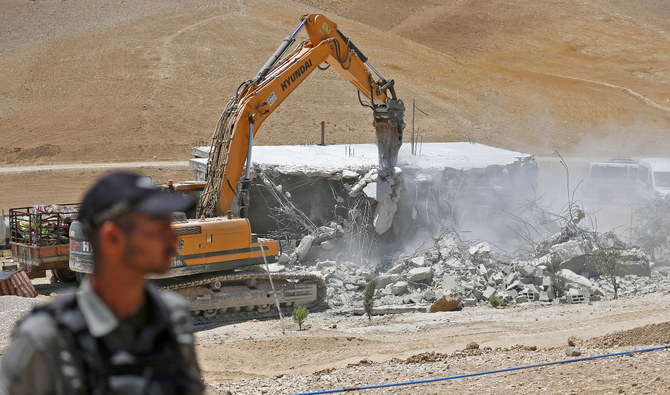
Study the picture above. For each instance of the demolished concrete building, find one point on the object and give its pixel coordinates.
(419, 230)
(465, 186)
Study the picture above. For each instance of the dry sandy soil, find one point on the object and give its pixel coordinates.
(339, 352)
(336, 351)
(118, 81)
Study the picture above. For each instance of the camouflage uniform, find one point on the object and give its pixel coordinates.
(76, 345)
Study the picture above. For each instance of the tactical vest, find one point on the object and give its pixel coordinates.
(89, 367)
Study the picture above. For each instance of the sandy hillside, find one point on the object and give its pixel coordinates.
(118, 81)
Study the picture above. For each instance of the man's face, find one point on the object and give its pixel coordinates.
(151, 244)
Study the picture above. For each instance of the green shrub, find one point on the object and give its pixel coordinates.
(300, 315)
(607, 262)
(368, 297)
(495, 301)
(558, 282)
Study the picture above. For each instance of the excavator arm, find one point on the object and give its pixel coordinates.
(257, 98)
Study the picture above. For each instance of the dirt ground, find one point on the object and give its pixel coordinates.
(337, 352)
(99, 81)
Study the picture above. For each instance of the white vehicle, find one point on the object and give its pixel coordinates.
(614, 180)
(654, 178)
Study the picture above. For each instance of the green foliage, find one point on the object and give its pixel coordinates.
(652, 226)
(300, 315)
(368, 297)
(557, 281)
(607, 262)
(495, 301)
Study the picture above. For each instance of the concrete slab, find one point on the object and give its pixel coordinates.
(293, 159)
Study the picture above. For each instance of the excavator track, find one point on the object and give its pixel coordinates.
(238, 296)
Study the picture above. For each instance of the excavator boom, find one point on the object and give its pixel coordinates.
(257, 98)
(216, 265)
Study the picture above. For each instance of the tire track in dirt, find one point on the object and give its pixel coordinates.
(623, 89)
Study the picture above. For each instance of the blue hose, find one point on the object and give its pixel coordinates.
(460, 376)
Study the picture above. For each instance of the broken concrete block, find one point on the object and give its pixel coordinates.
(335, 282)
(349, 174)
(418, 261)
(399, 287)
(321, 265)
(635, 262)
(448, 243)
(572, 278)
(527, 271)
(516, 285)
(438, 271)
(453, 262)
(469, 302)
(478, 294)
(276, 267)
(521, 299)
(488, 292)
(384, 214)
(575, 298)
(303, 248)
(420, 274)
(326, 233)
(448, 283)
(481, 250)
(497, 278)
(429, 295)
(386, 279)
(397, 269)
(468, 286)
(568, 250)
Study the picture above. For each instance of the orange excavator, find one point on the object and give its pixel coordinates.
(215, 268)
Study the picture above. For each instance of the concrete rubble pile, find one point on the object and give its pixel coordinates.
(475, 273)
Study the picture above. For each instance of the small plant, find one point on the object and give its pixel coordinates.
(368, 297)
(607, 262)
(557, 281)
(495, 301)
(300, 315)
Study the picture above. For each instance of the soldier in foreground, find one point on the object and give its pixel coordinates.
(118, 334)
